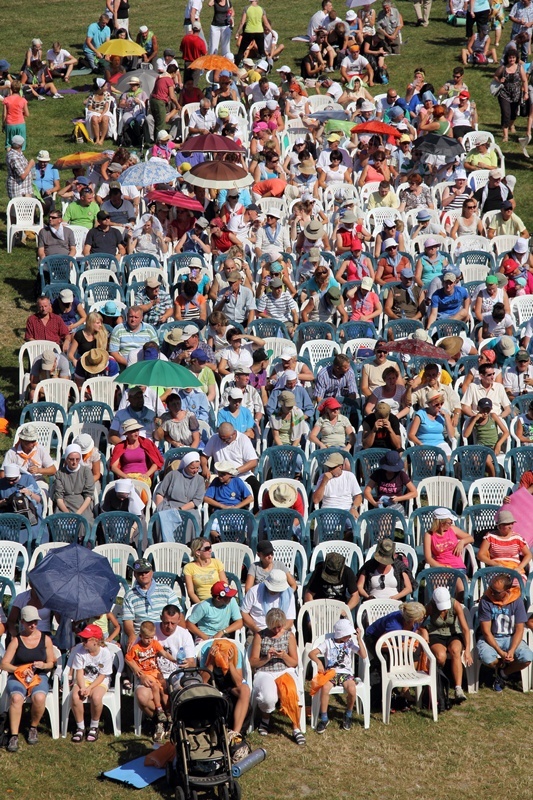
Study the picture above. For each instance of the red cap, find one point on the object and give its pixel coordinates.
(91, 632)
(330, 403)
(221, 589)
(464, 93)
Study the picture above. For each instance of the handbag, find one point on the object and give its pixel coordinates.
(495, 87)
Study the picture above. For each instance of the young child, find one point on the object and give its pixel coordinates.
(92, 666)
(142, 659)
(337, 650)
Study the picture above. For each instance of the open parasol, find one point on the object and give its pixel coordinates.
(435, 145)
(213, 62)
(147, 78)
(376, 126)
(77, 160)
(416, 347)
(121, 47)
(173, 198)
(211, 143)
(218, 175)
(159, 374)
(148, 173)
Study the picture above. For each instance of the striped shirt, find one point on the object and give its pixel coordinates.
(124, 341)
(141, 606)
(327, 385)
(279, 308)
(153, 316)
(16, 163)
(508, 548)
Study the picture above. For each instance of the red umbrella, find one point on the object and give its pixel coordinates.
(211, 143)
(218, 175)
(172, 198)
(416, 347)
(376, 126)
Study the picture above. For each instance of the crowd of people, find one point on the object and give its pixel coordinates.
(286, 297)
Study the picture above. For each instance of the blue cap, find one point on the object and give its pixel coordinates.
(424, 213)
(110, 309)
(225, 72)
(275, 267)
(83, 180)
(151, 353)
(200, 355)
(4, 65)
(407, 273)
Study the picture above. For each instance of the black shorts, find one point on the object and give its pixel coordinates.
(436, 638)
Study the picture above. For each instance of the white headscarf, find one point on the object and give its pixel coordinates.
(73, 448)
(156, 225)
(135, 504)
(188, 458)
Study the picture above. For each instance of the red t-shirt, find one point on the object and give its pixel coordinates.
(192, 47)
(298, 506)
(162, 87)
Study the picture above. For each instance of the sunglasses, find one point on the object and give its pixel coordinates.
(206, 549)
(321, 272)
(384, 352)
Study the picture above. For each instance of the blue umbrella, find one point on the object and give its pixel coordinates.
(148, 173)
(75, 582)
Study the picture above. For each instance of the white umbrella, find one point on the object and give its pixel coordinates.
(359, 3)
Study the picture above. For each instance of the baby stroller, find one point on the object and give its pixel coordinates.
(203, 762)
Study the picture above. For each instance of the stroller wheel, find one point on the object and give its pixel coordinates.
(236, 793)
(223, 792)
(180, 794)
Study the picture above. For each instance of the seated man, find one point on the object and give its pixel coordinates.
(84, 211)
(518, 378)
(382, 428)
(104, 238)
(274, 592)
(145, 600)
(130, 336)
(288, 381)
(137, 409)
(240, 417)
(502, 617)
(154, 302)
(44, 324)
(237, 301)
(217, 616)
(486, 387)
(385, 197)
(338, 488)
(227, 490)
(332, 579)
(336, 380)
(450, 302)
(121, 211)
(278, 304)
(406, 300)
(55, 239)
(230, 445)
(251, 399)
(48, 365)
(506, 223)
(31, 457)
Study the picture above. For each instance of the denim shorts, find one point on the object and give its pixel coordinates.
(488, 654)
(14, 686)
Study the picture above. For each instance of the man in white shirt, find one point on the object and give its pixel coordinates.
(129, 192)
(338, 488)
(193, 9)
(262, 90)
(355, 64)
(518, 379)
(320, 19)
(204, 120)
(231, 445)
(60, 61)
(486, 388)
(275, 592)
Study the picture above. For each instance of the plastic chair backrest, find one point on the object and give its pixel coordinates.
(472, 461)
(89, 411)
(187, 529)
(483, 577)
(282, 461)
(330, 524)
(366, 461)
(378, 524)
(352, 553)
(433, 577)
(374, 609)
(277, 523)
(233, 525)
(65, 527)
(311, 331)
(115, 526)
(425, 461)
(420, 521)
(43, 412)
(442, 491)
(517, 461)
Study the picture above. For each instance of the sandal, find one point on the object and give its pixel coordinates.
(299, 738)
(92, 735)
(263, 729)
(78, 736)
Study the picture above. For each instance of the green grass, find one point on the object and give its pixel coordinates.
(480, 749)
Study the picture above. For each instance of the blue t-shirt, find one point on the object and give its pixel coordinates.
(210, 619)
(241, 423)
(229, 494)
(391, 622)
(97, 35)
(448, 305)
(503, 619)
(69, 317)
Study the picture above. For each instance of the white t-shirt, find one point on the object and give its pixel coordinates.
(272, 93)
(498, 328)
(354, 66)
(318, 20)
(252, 606)
(340, 492)
(172, 644)
(93, 666)
(516, 382)
(201, 122)
(57, 59)
(497, 394)
(338, 655)
(335, 91)
(239, 451)
(129, 192)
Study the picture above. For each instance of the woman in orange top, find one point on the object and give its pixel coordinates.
(14, 114)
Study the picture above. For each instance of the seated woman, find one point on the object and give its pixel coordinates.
(114, 71)
(203, 571)
(38, 79)
(28, 660)
(74, 485)
(392, 393)
(259, 571)
(444, 543)
(504, 547)
(238, 352)
(225, 660)
(273, 657)
(148, 237)
(180, 427)
(390, 486)
(335, 172)
(432, 425)
(332, 429)
(90, 456)
(391, 263)
(356, 267)
(98, 114)
(384, 575)
(449, 635)
(183, 487)
(364, 303)
(136, 457)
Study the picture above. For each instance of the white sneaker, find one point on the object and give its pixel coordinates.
(460, 696)
(58, 97)
(41, 97)
(523, 141)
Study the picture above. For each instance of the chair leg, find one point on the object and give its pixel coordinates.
(65, 712)
(387, 700)
(434, 706)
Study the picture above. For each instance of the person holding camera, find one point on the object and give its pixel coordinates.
(19, 494)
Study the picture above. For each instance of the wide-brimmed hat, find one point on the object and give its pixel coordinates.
(314, 230)
(385, 552)
(95, 360)
(282, 495)
(392, 462)
(452, 345)
(28, 433)
(130, 425)
(505, 517)
(227, 467)
(307, 167)
(334, 566)
(277, 581)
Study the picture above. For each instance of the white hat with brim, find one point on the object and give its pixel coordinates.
(226, 466)
(443, 513)
(277, 581)
(282, 495)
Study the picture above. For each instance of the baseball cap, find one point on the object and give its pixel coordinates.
(284, 68)
(114, 167)
(143, 29)
(142, 565)
(334, 137)
(265, 548)
(315, 48)
(30, 614)
(221, 589)
(91, 632)
(496, 174)
(102, 215)
(407, 273)
(276, 283)
(449, 276)
(235, 394)
(485, 404)
(66, 295)
(48, 359)
(442, 598)
(334, 460)
(491, 279)
(199, 355)
(506, 205)
(522, 355)
(367, 284)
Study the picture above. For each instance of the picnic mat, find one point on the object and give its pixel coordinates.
(135, 774)
(521, 504)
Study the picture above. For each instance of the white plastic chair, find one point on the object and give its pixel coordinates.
(478, 179)
(503, 243)
(186, 112)
(373, 609)
(24, 209)
(80, 234)
(57, 390)
(352, 346)
(322, 615)
(374, 217)
(474, 272)
(490, 491)
(401, 671)
(111, 699)
(10, 553)
(168, 556)
(464, 243)
(522, 308)
(410, 220)
(95, 276)
(233, 555)
(120, 556)
(287, 552)
(320, 348)
(142, 274)
(471, 139)
(96, 431)
(345, 190)
(440, 492)
(276, 344)
(416, 244)
(362, 697)
(401, 549)
(32, 350)
(102, 390)
(353, 555)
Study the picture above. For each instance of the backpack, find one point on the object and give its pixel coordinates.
(19, 503)
(480, 58)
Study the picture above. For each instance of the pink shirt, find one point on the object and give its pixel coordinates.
(442, 547)
(363, 306)
(134, 460)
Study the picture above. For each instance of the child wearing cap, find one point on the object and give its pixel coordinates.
(142, 659)
(335, 653)
(92, 666)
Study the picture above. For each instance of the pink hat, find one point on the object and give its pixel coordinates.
(260, 126)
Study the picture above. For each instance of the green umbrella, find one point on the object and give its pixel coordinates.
(161, 374)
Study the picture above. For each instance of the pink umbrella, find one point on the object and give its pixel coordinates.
(173, 198)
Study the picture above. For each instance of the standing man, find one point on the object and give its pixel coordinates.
(46, 179)
(19, 178)
(193, 46)
(97, 34)
(162, 95)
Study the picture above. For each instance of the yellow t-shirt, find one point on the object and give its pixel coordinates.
(254, 20)
(203, 578)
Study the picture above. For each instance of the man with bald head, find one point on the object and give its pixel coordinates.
(230, 445)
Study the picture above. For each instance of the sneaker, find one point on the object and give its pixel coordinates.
(502, 677)
(41, 97)
(322, 725)
(498, 685)
(460, 696)
(159, 732)
(33, 736)
(13, 744)
(58, 97)
(347, 723)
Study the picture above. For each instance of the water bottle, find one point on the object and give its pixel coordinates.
(247, 763)
(181, 655)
